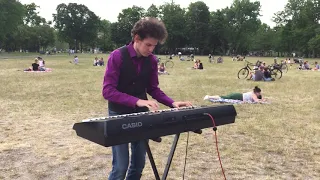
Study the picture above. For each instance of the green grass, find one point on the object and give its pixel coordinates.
(268, 141)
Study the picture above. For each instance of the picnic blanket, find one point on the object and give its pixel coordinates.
(232, 101)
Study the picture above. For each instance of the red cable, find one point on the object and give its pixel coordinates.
(215, 134)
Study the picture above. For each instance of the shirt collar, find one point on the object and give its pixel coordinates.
(131, 50)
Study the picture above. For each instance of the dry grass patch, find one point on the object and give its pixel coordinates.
(38, 110)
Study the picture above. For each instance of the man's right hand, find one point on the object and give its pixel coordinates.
(152, 105)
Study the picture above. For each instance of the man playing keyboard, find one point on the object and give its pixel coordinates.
(130, 74)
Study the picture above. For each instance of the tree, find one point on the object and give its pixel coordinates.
(104, 36)
(218, 32)
(300, 21)
(46, 36)
(126, 20)
(314, 45)
(197, 20)
(173, 17)
(11, 15)
(152, 11)
(263, 40)
(76, 24)
(32, 18)
(243, 21)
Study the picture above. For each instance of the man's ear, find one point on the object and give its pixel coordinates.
(136, 38)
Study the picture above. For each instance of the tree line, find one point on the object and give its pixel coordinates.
(233, 30)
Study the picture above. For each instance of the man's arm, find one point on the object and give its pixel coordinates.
(153, 89)
(110, 82)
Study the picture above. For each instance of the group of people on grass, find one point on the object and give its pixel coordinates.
(98, 62)
(302, 65)
(262, 73)
(212, 60)
(38, 65)
(306, 66)
(198, 64)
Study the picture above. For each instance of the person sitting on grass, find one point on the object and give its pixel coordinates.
(211, 58)
(95, 61)
(252, 96)
(162, 69)
(75, 60)
(196, 64)
(220, 60)
(200, 65)
(317, 66)
(41, 63)
(34, 66)
(267, 74)
(305, 66)
(256, 75)
(101, 62)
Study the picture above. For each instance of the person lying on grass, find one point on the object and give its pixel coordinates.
(251, 96)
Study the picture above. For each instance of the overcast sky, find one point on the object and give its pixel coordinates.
(109, 10)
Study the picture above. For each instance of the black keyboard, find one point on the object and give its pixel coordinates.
(115, 130)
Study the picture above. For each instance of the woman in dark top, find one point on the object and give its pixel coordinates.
(35, 65)
(200, 65)
(267, 74)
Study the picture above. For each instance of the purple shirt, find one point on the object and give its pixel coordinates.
(111, 78)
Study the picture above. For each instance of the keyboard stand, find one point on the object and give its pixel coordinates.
(170, 157)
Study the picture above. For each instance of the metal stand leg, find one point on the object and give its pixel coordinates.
(153, 164)
(170, 157)
(173, 149)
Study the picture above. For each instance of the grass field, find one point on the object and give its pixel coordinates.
(268, 141)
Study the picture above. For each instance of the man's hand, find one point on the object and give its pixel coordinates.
(152, 105)
(181, 104)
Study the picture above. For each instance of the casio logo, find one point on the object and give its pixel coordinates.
(131, 125)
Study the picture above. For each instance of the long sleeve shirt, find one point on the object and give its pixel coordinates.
(111, 79)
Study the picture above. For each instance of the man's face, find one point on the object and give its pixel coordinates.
(146, 46)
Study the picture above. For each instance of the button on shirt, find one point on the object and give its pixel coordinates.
(111, 78)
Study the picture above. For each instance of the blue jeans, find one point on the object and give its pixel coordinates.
(267, 79)
(120, 159)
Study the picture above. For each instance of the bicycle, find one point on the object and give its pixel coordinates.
(283, 66)
(168, 63)
(276, 71)
(244, 72)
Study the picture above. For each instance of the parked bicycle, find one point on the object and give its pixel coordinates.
(168, 62)
(276, 71)
(283, 66)
(244, 72)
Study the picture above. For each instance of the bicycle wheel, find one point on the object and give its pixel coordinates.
(276, 73)
(285, 68)
(243, 73)
(169, 64)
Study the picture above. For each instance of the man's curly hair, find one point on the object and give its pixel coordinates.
(150, 27)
